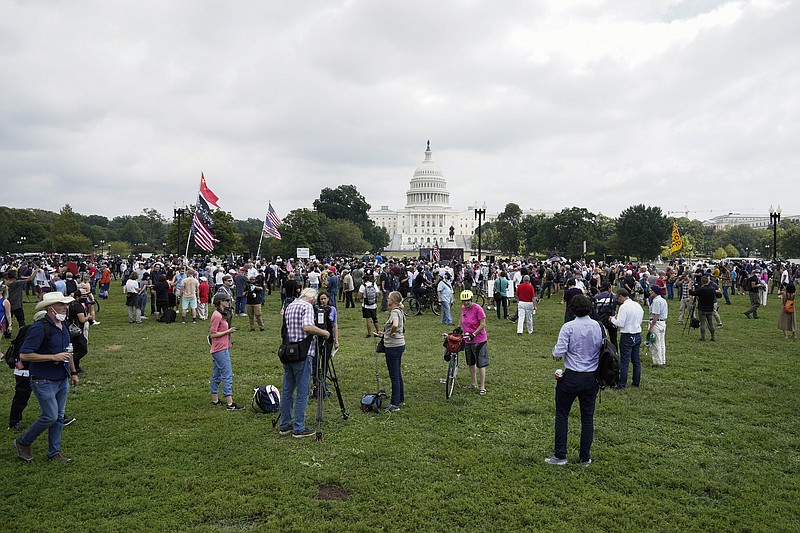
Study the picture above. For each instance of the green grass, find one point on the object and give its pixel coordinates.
(709, 442)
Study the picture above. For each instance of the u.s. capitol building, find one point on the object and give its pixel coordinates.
(427, 216)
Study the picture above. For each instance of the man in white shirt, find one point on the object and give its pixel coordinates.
(629, 321)
(658, 326)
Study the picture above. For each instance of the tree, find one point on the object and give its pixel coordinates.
(68, 222)
(565, 231)
(346, 203)
(731, 251)
(507, 229)
(789, 241)
(344, 236)
(742, 237)
(303, 228)
(719, 253)
(343, 203)
(642, 231)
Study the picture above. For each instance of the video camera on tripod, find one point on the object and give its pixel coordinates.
(324, 369)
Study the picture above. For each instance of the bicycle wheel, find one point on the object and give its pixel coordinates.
(96, 306)
(480, 300)
(436, 307)
(413, 306)
(452, 370)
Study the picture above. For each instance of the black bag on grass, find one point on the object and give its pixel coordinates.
(168, 316)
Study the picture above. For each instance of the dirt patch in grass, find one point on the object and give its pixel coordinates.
(114, 347)
(332, 492)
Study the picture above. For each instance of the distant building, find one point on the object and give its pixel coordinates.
(427, 216)
(737, 219)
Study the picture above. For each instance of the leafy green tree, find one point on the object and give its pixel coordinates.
(68, 223)
(507, 229)
(789, 240)
(343, 203)
(742, 237)
(530, 233)
(731, 251)
(344, 236)
(719, 253)
(346, 203)
(153, 226)
(303, 228)
(642, 231)
(565, 231)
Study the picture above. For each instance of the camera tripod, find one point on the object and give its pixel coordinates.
(325, 370)
(687, 323)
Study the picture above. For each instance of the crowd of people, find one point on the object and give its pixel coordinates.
(625, 301)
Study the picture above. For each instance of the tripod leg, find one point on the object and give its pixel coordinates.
(335, 381)
(319, 372)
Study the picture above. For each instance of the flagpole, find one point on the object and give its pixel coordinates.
(189, 237)
(258, 252)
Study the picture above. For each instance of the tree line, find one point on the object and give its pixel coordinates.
(339, 224)
(641, 232)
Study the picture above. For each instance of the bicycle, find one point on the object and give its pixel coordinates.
(452, 345)
(415, 305)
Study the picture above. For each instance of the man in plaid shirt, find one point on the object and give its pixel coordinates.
(685, 285)
(299, 317)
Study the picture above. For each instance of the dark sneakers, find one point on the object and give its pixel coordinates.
(16, 427)
(234, 407)
(307, 432)
(25, 452)
(60, 458)
(285, 432)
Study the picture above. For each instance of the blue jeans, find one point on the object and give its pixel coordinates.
(222, 373)
(52, 396)
(296, 377)
(629, 346)
(447, 313)
(394, 357)
(725, 294)
(143, 302)
(241, 301)
(670, 291)
(584, 387)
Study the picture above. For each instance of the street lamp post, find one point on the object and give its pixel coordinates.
(178, 213)
(21, 243)
(480, 214)
(102, 247)
(775, 217)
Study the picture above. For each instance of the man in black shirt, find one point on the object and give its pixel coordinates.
(752, 284)
(706, 295)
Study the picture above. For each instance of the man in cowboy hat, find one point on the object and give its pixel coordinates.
(51, 371)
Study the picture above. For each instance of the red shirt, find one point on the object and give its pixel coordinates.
(525, 292)
(202, 291)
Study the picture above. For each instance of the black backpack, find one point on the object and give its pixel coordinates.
(608, 366)
(168, 316)
(11, 357)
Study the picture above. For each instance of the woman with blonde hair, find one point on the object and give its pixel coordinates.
(395, 342)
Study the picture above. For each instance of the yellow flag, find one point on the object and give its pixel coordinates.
(677, 242)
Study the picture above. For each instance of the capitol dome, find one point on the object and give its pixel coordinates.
(428, 187)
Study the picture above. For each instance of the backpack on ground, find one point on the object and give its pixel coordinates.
(266, 399)
(11, 357)
(608, 365)
(168, 316)
(370, 295)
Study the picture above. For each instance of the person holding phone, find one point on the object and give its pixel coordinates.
(220, 338)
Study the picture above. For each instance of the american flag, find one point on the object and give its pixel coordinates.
(436, 254)
(272, 222)
(201, 222)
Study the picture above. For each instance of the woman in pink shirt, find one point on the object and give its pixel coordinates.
(473, 323)
(220, 339)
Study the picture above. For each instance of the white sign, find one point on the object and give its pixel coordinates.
(303, 253)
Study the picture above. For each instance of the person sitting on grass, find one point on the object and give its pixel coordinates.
(220, 335)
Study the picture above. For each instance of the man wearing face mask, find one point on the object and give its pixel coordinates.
(51, 371)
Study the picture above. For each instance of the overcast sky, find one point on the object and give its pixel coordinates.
(115, 106)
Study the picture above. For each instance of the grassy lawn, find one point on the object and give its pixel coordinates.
(710, 442)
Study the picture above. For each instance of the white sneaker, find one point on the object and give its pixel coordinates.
(555, 461)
